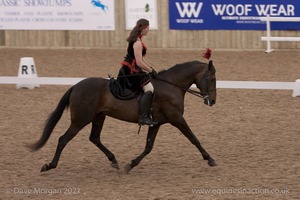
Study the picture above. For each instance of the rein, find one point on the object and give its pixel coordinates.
(193, 92)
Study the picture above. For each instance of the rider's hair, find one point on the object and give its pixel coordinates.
(136, 31)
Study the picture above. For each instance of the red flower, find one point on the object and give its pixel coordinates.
(207, 54)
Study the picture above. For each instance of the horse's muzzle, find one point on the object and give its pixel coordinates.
(208, 101)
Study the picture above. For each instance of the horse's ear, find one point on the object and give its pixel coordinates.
(211, 66)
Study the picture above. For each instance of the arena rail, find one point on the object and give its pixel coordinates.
(269, 38)
(295, 86)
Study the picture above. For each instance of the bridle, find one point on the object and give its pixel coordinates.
(204, 95)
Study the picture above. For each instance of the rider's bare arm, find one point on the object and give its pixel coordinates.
(138, 48)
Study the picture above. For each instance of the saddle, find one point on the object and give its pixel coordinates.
(123, 91)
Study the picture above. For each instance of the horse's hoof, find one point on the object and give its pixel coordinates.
(127, 168)
(115, 165)
(45, 168)
(212, 163)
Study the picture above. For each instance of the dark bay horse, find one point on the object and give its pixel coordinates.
(90, 100)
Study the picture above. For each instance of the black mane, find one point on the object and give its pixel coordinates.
(175, 67)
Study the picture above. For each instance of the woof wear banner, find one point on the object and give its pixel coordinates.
(57, 15)
(231, 15)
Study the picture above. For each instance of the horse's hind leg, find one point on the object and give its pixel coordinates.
(97, 126)
(152, 132)
(184, 128)
(62, 142)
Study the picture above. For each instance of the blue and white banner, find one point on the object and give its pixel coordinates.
(57, 15)
(231, 14)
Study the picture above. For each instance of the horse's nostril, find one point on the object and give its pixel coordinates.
(213, 101)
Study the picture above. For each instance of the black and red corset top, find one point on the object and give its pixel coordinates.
(129, 60)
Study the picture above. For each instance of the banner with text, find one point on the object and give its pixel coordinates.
(135, 10)
(231, 15)
(57, 15)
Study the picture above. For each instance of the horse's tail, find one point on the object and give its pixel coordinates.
(52, 120)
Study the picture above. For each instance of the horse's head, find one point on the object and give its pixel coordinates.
(206, 82)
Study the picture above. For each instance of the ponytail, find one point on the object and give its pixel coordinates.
(136, 31)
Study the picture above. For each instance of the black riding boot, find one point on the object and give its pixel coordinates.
(144, 108)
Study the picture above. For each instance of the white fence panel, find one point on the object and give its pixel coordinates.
(295, 86)
(269, 38)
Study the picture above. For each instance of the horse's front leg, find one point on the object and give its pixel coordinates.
(184, 128)
(152, 132)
